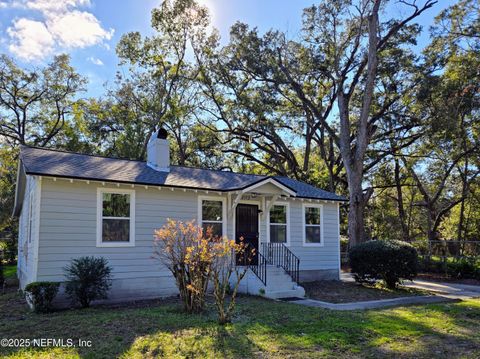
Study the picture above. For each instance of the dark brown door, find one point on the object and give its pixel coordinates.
(246, 226)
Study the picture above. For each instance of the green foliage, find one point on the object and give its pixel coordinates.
(390, 261)
(464, 268)
(2, 274)
(88, 279)
(41, 295)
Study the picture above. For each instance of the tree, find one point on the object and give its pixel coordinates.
(261, 88)
(356, 42)
(35, 105)
(161, 88)
(36, 108)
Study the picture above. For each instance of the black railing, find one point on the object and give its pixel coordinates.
(257, 264)
(278, 254)
(260, 269)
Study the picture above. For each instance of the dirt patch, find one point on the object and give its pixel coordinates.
(346, 292)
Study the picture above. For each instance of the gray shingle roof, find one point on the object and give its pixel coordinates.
(46, 162)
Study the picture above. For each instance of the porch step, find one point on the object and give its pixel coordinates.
(281, 285)
(298, 292)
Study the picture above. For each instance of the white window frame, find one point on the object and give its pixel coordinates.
(304, 225)
(287, 209)
(224, 211)
(100, 192)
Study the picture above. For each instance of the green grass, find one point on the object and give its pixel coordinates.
(10, 271)
(261, 328)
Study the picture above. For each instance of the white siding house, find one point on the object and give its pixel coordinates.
(72, 205)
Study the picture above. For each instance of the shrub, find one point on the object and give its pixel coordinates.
(41, 295)
(2, 275)
(464, 269)
(88, 279)
(195, 257)
(223, 268)
(185, 251)
(390, 261)
(431, 264)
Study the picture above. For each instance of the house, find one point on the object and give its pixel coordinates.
(71, 205)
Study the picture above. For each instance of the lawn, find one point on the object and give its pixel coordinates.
(261, 328)
(9, 271)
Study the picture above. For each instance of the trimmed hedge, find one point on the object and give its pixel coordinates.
(41, 295)
(390, 261)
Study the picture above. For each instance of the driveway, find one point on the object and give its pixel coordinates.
(444, 289)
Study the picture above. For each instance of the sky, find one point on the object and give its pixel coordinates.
(33, 31)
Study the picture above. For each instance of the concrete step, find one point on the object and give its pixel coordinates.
(298, 292)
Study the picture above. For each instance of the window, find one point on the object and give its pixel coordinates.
(116, 218)
(212, 215)
(313, 232)
(278, 225)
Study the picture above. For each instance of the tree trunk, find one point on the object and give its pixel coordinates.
(401, 209)
(356, 208)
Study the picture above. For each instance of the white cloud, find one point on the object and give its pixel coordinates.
(54, 6)
(63, 27)
(77, 29)
(30, 39)
(95, 61)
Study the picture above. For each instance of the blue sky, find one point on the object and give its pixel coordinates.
(32, 31)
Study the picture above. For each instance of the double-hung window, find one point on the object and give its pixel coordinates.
(116, 218)
(212, 215)
(313, 232)
(278, 223)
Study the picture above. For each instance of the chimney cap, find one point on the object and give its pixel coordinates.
(162, 134)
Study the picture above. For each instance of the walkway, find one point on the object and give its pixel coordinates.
(443, 292)
(445, 289)
(372, 304)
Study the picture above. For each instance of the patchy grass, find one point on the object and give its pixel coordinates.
(335, 291)
(10, 271)
(261, 328)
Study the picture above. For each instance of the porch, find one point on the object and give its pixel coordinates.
(274, 268)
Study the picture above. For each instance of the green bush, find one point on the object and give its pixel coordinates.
(390, 261)
(464, 269)
(432, 265)
(41, 295)
(2, 275)
(88, 279)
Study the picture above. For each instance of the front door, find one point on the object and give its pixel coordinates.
(246, 226)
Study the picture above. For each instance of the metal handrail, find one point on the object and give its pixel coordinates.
(259, 269)
(278, 254)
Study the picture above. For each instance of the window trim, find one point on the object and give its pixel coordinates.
(304, 225)
(287, 205)
(100, 192)
(224, 211)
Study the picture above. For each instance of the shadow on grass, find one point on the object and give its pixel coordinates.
(260, 328)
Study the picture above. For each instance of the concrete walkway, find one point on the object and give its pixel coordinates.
(445, 289)
(442, 292)
(372, 304)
